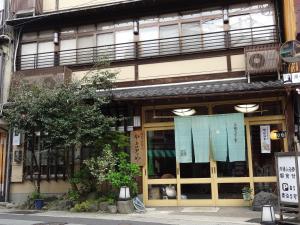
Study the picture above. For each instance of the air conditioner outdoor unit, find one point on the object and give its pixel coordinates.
(262, 59)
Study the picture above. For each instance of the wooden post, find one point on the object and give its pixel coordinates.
(289, 114)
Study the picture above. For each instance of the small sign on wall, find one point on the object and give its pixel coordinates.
(138, 155)
(265, 139)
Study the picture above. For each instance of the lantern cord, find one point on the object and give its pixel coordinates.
(138, 205)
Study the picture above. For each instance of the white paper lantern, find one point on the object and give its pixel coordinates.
(124, 193)
(267, 215)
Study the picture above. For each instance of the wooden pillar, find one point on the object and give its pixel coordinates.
(289, 20)
(289, 115)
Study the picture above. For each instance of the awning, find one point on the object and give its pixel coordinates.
(195, 89)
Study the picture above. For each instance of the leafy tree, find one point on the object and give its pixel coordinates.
(65, 115)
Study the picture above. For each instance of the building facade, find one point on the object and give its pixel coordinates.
(207, 60)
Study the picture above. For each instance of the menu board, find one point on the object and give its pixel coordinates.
(287, 177)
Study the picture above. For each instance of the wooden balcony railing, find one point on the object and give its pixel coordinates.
(214, 41)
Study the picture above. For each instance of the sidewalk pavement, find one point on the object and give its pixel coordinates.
(168, 215)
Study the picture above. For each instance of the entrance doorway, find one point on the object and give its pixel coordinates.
(169, 183)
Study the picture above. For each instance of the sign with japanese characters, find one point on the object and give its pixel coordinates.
(137, 147)
(265, 140)
(287, 177)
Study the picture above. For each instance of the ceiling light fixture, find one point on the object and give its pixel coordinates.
(246, 108)
(184, 112)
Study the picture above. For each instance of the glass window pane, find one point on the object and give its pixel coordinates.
(85, 50)
(105, 26)
(240, 34)
(124, 23)
(169, 43)
(124, 44)
(46, 34)
(105, 46)
(166, 115)
(264, 163)
(168, 17)
(149, 44)
(231, 191)
(68, 52)
(212, 12)
(86, 28)
(195, 170)
(239, 8)
(191, 40)
(28, 56)
(265, 109)
(190, 15)
(148, 20)
(266, 187)
(195, 191)
(161, 154)
(162, 192)
(45, 54)
(29, 36)
(213, 35)
(67, 31)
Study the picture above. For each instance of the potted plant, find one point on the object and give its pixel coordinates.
(38, 200)
(247, 193)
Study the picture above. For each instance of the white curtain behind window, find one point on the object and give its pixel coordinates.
(45, 54)
(68, 52)
(28, 56)
(240, 27)
(85, 50)
(213, 37)
(169, 39)
(105, 46)
(149, 45)
(124, 44)
(191, 40)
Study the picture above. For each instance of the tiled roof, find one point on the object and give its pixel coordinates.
(194, 89)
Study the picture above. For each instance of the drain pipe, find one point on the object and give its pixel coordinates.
(8, 165)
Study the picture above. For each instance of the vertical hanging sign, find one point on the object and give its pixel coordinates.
(265, 139)
(137, 152)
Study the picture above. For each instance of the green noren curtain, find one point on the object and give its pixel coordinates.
(183, 139)
(218, 137)
(200, 130)
(236, 137)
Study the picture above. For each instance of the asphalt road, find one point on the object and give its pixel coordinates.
(23, 219)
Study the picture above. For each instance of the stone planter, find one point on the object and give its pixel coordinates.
(103, 206)
(112, 209)
(125, 207)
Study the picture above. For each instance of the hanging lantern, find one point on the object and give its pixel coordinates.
(273, 135)
(267, 215)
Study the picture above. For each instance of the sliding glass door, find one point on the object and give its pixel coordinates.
(216, 183)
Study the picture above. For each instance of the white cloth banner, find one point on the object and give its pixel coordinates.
(265, 140)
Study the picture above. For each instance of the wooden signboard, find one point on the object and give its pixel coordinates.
(137, 153)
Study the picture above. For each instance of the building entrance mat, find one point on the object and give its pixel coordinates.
(27, 212)
(200, 210)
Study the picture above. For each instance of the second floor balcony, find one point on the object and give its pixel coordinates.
(155, 48)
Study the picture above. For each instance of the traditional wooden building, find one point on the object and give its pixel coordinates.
(214, 66)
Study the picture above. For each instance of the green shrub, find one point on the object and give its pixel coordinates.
(124, 174)
(73, 195)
